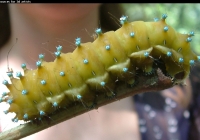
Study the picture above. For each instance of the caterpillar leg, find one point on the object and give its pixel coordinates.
(143, 60)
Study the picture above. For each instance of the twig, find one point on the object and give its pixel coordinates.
(155, 82)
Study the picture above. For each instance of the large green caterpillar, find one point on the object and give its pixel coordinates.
(96, 66)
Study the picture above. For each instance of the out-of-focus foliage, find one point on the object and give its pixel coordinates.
(182, 17)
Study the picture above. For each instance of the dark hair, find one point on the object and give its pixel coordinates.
(4, 24)
(106, 22)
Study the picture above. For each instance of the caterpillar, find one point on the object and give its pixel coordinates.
(94, 67)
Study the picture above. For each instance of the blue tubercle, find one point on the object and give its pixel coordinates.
(191, 62)
(169, 54)
(42, 113)
(198, 58)
(166, 28)
(189, 39)
(85, 61)
(132, 34)
(55, 104)
(103, 84)
(24, 92)
(59, 48)
(15, 120)
(156, 19)
(43, 82)
(78, 42)
(6, 111)
(107, 47)
(164, 16)
(38, 63)
(41, 56)
(23, 66)
(10, 101)
(5, 82)
(10, 74)
(181, 60)
(25, 116)
(191, 33)
(123, 20)
(57, 54)
(18, 74)
(146, 54)
(79, 97)
(4, 94)
(62, 73)
(78, 39)
(125, 69)
(98, 31)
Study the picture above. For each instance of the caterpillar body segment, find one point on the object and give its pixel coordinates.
(94, 67)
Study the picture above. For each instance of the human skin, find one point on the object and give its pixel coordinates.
(41, 27)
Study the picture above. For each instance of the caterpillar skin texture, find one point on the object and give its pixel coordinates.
(94, 67)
